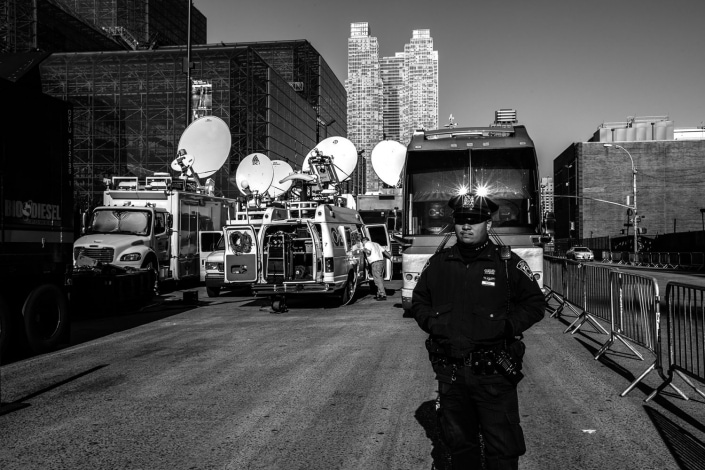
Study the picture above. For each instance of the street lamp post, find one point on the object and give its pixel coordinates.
(634, 210)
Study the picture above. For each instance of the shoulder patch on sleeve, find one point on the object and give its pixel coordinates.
(523, 266)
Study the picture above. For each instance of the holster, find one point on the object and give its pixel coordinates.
(444, 367)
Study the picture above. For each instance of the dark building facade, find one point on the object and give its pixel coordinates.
(144, 23)
(670, 187)
(50, 26)
(130, 106)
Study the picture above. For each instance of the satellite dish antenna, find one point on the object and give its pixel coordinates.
(183, 163)
(207, 141)
(279, 185)
(254, 174)
(388, 158)
(342, 153)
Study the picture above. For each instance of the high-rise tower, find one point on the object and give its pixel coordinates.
(391, 97)
(365, 102)
(421, 76)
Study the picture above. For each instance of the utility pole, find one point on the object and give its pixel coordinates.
(633, 205)
(188, 66)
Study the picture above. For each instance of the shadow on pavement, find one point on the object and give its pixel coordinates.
(19, 404)
(426, 417)
(686, 449)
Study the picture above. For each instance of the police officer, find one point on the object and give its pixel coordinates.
(475, 299)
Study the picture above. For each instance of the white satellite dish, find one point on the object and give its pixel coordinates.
(183, 164)
(207, 140)
(388, 158)
(254, 174)
(343, 155)
(279, 186)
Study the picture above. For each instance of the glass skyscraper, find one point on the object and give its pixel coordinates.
(365, 102)
(391, 97)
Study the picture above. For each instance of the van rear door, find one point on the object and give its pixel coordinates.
(378, 233)
(240, 254)
(207, 241)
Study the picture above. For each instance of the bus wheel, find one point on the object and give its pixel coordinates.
(213, 291)
(45, 315)
(347, 293)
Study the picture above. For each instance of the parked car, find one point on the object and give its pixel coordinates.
(580, 253)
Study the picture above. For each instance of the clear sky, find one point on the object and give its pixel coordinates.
(566, 66)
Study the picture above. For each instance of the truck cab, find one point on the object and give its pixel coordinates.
(127, 236)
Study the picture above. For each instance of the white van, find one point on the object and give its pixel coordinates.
(317, 250)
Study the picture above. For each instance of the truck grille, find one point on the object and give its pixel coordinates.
(104, 255)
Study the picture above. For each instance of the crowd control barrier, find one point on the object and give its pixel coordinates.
(685, 335)
(691, 261)
(635, 318)
(628, 302)
(596, 299)
(553, 281)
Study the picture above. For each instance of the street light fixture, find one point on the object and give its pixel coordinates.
(634, 212)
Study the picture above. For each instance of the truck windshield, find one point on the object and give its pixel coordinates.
(123, 221)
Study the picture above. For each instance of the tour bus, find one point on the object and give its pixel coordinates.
(498, 161)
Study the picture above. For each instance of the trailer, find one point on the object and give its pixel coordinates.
(36, 222)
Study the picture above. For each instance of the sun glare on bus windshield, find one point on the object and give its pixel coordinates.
(482, 191)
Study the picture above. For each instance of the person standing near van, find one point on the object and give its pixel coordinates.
(375, 257)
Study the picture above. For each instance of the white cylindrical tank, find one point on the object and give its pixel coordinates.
(619, 134)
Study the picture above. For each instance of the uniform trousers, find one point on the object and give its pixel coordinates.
(486, 404)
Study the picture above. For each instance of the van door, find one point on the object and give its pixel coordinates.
(240, 254)
(207, 241)
(378, 233)
(317, 251)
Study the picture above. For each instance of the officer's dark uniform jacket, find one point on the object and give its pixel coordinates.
(465, 307)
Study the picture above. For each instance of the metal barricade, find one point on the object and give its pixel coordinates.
(663, 260)
(673, 260)
(553, 269)
(574, 283)
(634, 318)
(597, 304)
(685, 323)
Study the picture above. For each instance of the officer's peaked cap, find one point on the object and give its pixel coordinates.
(472, 207)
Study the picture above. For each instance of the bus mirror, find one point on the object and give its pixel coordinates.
(169, 221)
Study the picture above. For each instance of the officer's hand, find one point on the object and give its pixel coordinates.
(508, 329)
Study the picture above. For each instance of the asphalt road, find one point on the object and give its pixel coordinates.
(225, 384)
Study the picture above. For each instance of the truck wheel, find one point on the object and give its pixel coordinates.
(347, 293)
(213, 291)
(153, 266)
(45, 315)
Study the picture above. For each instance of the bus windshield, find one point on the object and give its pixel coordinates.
(433, 177)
